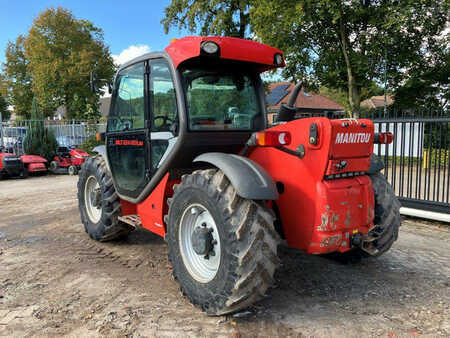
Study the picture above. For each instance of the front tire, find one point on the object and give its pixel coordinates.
(99, 203)
(53, 166)
(72, 170)
(234, 267)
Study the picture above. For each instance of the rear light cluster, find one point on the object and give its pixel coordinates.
(383, 138)
(270, 139)
(344, 175)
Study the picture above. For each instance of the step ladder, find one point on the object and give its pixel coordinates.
(133, 220)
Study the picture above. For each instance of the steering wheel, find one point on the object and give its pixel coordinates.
(166, 123)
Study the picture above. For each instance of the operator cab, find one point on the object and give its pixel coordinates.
(166, 110)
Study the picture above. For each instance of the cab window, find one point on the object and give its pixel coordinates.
(221, 99)
(162, 97)
(129, 108)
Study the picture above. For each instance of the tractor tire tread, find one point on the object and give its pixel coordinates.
(109, 227)
(251, 241)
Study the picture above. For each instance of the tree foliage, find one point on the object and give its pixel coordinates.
(348, 44)
(18, 77)
(426, 85)
(39, 140)
(3, 86)
(62, 51)
(4, 112)
(209, 17)
(53, 62)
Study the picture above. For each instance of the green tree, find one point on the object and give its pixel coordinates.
(40, 140)
(35, 114)
(4, 112)
(3, 86)
(349, 44)
(426, 85)
(229, 17)
(18, 77)
(62, 51)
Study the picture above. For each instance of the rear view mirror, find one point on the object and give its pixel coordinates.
(94, 82)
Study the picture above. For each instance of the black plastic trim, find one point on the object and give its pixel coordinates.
(249, 179)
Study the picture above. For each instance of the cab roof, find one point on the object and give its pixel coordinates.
(189, 47)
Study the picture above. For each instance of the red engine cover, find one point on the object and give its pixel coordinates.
(318, 215)
(32, 159)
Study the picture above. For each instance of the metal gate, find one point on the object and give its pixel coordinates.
(417, 163)
(68, 133)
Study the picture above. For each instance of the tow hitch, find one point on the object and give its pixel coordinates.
(365, 242)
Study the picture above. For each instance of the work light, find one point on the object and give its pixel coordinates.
(210, 47)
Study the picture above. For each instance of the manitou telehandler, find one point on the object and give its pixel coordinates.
(187, 156)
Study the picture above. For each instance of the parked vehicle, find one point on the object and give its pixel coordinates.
(10, 165)
(223, 190)
(34, 164)
(68, 160)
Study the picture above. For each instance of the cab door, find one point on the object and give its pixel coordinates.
(127, 135)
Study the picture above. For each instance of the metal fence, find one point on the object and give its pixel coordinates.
(68, 133)
(417, 162)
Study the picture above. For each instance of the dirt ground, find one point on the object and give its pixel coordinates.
(56, 281)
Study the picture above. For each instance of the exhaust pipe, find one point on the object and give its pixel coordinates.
(287, 111)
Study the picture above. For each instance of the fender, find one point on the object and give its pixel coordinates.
(376, 165)
(101, 150)
(249, 179)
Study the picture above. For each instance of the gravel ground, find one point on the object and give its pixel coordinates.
(55, 281)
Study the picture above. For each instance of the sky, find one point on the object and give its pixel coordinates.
(130, 29)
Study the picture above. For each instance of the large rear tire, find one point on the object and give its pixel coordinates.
(99, 203)
(387, 221)
(223, 248)
(387, 214)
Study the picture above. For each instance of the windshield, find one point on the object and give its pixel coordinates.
(221, 99)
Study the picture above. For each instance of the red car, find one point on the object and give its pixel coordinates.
(68, 159)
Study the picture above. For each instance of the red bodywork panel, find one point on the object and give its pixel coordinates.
(230, 48)
(318, 215)
(153, 208)
(34, 163)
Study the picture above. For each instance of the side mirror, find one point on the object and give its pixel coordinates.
(93, 82)
(110, 90)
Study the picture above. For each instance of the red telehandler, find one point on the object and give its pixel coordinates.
(189, 157)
